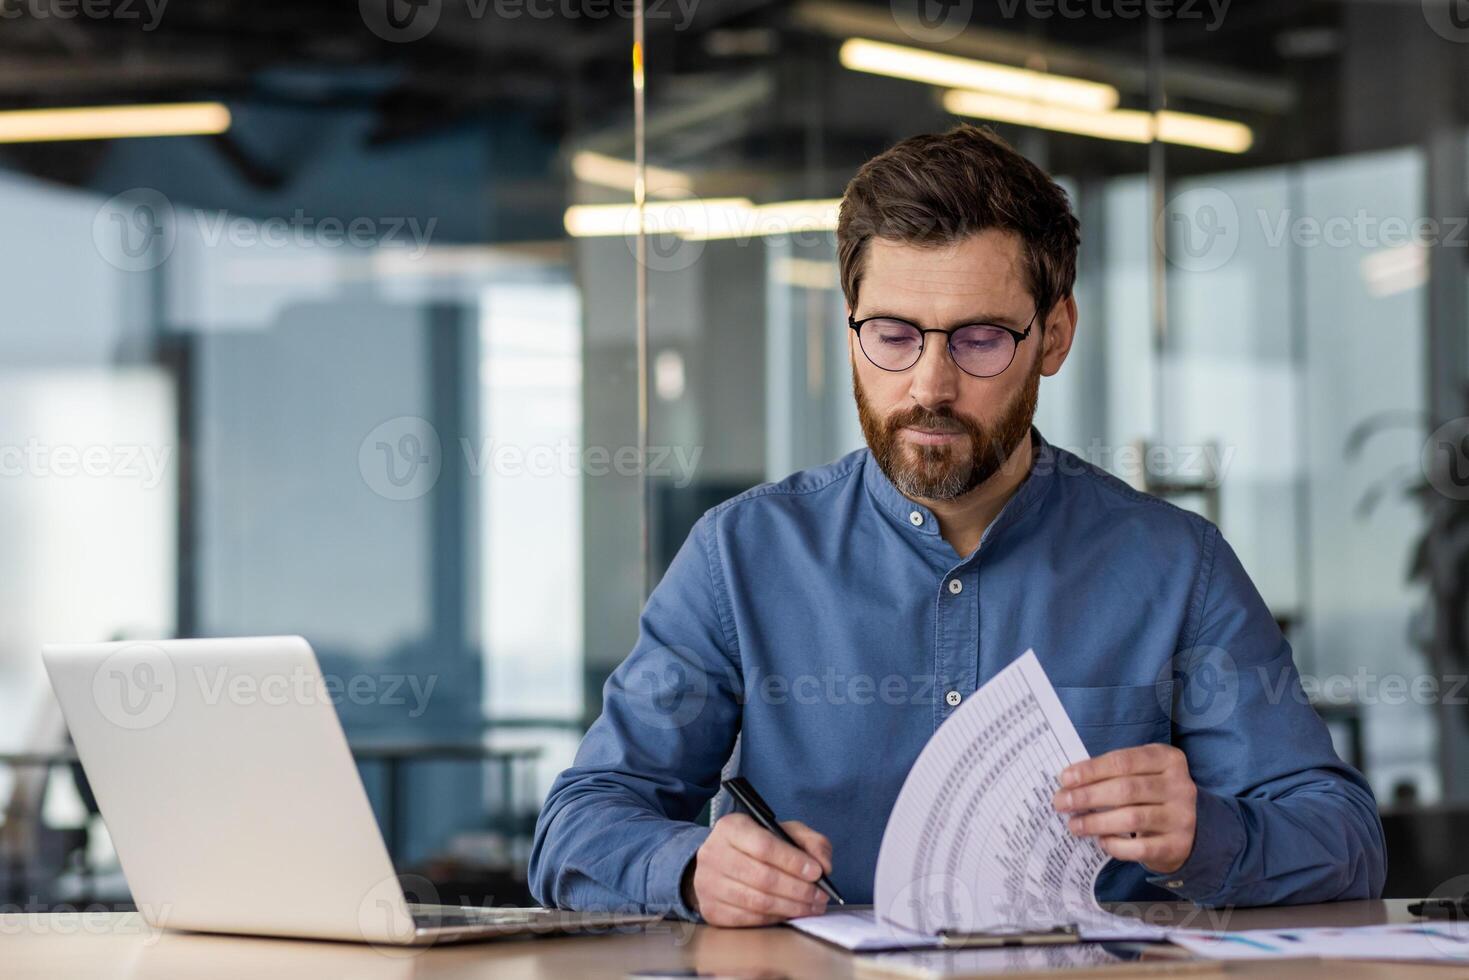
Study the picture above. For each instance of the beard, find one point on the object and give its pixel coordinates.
(945, 472)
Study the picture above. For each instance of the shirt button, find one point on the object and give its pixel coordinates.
(953, 698)
(916, 519)
(955, 586)
(1175, 883)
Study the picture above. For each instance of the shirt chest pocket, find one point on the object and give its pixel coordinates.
(1109, 718)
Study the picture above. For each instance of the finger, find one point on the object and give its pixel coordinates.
(1122, 821)
(1121, 791)
(1154, 758)
(811, 842)
(760, 844)
(769, 879)
(1156, 851)
(737, 893)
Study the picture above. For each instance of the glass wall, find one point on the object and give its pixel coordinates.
(367, 366)
(1253, 309)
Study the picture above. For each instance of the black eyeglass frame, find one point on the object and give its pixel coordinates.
(1019, 335)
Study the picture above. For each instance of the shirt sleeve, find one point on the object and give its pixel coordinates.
(1281, 819)
(617, 830)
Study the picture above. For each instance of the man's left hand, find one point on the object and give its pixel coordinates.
(1144, 802)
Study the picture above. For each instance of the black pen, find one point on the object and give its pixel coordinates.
(739, 787)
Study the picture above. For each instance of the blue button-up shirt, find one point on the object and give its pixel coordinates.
(812, 634)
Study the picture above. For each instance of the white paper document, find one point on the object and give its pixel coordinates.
(1424, 941)
(973, 844)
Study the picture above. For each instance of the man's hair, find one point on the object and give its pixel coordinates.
(937, 189)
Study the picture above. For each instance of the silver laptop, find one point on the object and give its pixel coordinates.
(233, 801)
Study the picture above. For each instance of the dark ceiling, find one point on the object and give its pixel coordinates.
(733, 84)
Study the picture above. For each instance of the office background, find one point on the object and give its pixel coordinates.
(362, 361)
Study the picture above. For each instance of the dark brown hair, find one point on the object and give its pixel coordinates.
(937, 189)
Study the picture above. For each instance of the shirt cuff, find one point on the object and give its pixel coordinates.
(665, 871)
(1219, 837)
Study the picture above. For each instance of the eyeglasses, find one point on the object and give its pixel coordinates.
(982, 350)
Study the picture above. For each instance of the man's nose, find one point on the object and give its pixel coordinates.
(935, 379)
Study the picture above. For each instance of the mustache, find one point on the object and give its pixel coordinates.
(922, 418)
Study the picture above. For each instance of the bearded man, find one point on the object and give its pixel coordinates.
(832, 621)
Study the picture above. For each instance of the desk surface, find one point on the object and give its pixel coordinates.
(99, 946)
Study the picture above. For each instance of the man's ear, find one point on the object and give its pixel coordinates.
(1059, 333)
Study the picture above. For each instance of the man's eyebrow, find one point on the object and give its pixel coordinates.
(1003, 319)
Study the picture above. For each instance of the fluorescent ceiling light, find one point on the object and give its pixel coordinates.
(777, 218)
(1187, 129)
(113, 122)
(703, 220)
(686, 218)
(606, 171)
(1395, 270)
(949, 71)
(1128, 125)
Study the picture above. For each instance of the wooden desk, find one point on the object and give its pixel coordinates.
(101, 946)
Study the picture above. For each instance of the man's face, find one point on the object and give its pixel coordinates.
(936, 431)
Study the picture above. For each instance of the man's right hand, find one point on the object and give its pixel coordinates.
(746, 876)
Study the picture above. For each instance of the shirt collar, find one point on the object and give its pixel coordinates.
(920, 520)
